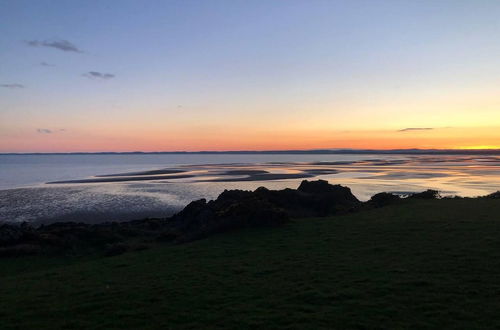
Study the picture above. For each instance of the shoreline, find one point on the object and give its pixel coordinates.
(107, 191)
(232, 210)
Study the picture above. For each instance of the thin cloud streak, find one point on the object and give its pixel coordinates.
(13, 86)
(98, 75)
(409, 129)
(49, 131)
(63, 45)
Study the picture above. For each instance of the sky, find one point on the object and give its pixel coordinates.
(248, 75)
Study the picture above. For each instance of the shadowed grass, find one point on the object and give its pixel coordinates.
(420, 264)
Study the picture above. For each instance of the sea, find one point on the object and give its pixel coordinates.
(96, 188)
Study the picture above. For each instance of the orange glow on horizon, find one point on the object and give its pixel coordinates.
(239, 138)
(480, 147)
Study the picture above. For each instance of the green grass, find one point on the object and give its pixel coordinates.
(421, 264)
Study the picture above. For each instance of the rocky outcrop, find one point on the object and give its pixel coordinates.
(232, 210)
(311, 199)
(201, 219)
(235, 209)
(383, 199)
(428, 194)
(495, 195)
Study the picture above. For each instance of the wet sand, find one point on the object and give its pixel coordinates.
(161, 190)
(123, 178)
(152, 172)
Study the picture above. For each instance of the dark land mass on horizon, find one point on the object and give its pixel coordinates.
(287, 152)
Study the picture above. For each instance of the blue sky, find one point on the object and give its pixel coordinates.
(202, 66)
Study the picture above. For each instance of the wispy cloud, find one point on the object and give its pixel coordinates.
(98, 75)
(46, 64)
(11, 85)
(49, 131)
(60, 44)
(409, 129)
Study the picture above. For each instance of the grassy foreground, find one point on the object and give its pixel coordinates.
(418, 264)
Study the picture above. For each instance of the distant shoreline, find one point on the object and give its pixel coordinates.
(282, 152)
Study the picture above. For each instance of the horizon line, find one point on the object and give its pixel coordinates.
(291, 151)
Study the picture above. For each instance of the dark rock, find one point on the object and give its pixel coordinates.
(20, 250)
(320, 198)
(318, 187)
(383, 199)
(10, 234)
(232, 210)
(495, 195)
(193, 217)
(428, 194)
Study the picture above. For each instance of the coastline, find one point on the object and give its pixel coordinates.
(117, 188)
(232, 210)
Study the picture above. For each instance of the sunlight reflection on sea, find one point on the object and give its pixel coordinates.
(159, 185)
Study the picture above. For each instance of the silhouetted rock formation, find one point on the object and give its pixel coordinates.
(263, 207)
(383, 199)
(201, 219)
(233, 209)
(495, 195)
(428, 194)
(312, 198)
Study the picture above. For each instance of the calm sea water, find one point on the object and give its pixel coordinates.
(178, 179)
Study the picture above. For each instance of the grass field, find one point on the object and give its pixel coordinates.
(420, 264)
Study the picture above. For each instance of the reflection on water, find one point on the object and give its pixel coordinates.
(127, 192)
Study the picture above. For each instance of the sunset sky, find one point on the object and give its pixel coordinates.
(248, 75)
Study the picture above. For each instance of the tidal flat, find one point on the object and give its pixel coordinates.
(99, 188)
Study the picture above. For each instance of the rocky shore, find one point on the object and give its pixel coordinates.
(232, 210)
